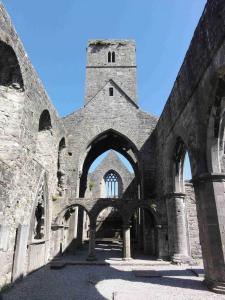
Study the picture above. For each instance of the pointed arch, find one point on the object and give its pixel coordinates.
(113, 184)
(216, 130)
(109, 139)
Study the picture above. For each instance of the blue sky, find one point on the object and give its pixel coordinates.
(55, 35)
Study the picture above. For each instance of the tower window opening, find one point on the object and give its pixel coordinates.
(110, 91)
(109, 56)
(112, 185)
(113, 57)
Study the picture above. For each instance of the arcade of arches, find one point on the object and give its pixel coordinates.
(50, 201)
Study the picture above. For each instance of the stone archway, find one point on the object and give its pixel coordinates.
(110, 139)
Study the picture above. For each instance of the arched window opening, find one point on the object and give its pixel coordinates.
(179, 156)
(113, 57)
(10, 75)
(112, 181)
(110, 91)
(61, 175)
(109, 56)
(187, 168)
(45, 121)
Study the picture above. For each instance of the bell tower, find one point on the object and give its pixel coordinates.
(111, 60)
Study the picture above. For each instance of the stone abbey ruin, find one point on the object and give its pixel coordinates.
(51, 204)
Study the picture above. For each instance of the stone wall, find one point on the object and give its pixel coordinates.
(28, 154)
(99, 71)
(23, 99)
(192, 221)
(191, 122)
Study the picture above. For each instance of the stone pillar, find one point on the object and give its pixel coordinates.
(126, 242)
(177, 228)
(210, 200)
(91, 252)
(80, 224)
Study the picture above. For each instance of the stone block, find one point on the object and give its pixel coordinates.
(4, 235)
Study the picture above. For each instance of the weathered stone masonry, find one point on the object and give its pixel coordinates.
(44, 160)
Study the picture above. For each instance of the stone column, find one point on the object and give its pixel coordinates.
(80, 224)
(210, 200)
(91, 253)
(177, 227)
(126, 242)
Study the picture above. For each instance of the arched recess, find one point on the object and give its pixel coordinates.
(109, 221)
(113, 185)
(46, 152)
(70, 238)
(107, 140)
(38, 242)
(61, 175)
(215, 133)
(45, 121)
(10, 74)
(11, 101)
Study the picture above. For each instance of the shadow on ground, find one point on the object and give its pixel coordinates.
(99, 282)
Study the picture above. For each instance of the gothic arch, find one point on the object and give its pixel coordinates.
(216, 128)
(113, 184)
(109, 139)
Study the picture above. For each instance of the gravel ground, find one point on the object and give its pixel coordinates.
(117, 282)
(100, 282)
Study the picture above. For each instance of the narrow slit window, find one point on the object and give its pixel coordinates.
(110, 91)
(109, 56)
(113, 57)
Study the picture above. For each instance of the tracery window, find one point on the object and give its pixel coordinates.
(112, 184)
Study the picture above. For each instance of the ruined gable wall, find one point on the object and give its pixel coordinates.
(103, 113)
(112, 162)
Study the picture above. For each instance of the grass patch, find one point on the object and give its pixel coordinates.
(5, 288)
